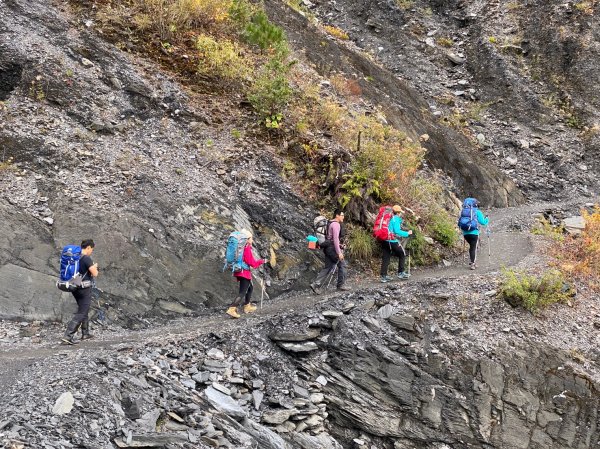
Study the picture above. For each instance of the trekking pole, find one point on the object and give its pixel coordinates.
(408, 249)
(262, 290)
(488, 231)
(332, 273)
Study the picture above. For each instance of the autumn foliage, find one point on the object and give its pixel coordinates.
(579, 255)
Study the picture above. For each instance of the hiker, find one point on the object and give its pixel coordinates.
(334, 255)
(392, 246)
(244, 277)
(470, 220)
(89, 271)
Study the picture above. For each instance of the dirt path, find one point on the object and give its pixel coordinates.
(507, 249)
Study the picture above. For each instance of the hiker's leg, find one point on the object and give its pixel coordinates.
(398, 251)
(249, 291)
(84, 300)
(243, 287)
(341, 279)
(329, 264)
(386, 254)
(85, 329)
(472, 241)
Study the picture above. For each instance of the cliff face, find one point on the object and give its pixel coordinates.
(515, 77)
(98, 144)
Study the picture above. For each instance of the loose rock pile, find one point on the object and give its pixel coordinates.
(344, 373)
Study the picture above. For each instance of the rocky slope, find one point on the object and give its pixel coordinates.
(96, 143)
(516, 77)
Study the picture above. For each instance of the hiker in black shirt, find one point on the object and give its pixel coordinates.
(83, 296)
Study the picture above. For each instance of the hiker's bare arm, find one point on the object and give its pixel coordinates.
(94, 270)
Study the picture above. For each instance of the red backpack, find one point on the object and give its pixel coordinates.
(382, 222)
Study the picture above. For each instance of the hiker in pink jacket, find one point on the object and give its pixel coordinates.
(244, 277)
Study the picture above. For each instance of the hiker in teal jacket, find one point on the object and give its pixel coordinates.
(472, 236)
(392, 246)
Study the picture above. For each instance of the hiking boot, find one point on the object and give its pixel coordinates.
(403, 276)
(68, 340)
(385, 279)
(344, 288)
(315, 289)
(85, 330)
(69, 337)
(472, 266)
(249, 308)
(232, 312)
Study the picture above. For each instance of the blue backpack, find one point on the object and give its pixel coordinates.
(234, 253)
(468, 215)
(69, 262)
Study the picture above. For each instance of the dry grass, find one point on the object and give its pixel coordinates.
(579, 255)
(345, 87)
(221, 59)
(336, 32)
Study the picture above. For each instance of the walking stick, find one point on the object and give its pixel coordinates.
(408, 249)
(488, 231)
(262, 290)
(332, 273)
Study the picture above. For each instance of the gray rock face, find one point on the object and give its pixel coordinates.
(224, 403)
(372, 390)
(574, 225)
(447, 149)
(108, 155)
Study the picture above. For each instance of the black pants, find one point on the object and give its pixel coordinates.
(472, 241)
(246, 288)
(84, 300)
(388, 250)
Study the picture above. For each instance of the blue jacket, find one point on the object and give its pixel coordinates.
(482, 222)
(395, 228)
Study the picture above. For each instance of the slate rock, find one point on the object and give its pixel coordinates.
(224, 403)
(64, 404)
(403, 322)
(574, 225)
(386, 311)
(299, 347)
(257, 398)
(132, 407)
(309, 334)
(278, 416)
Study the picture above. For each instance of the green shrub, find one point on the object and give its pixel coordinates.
(361, 244)
(221, 59)
(241, 12)
(533, 293)
(260, 31)
(418, 247)
(271, 92)
(443, 229)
